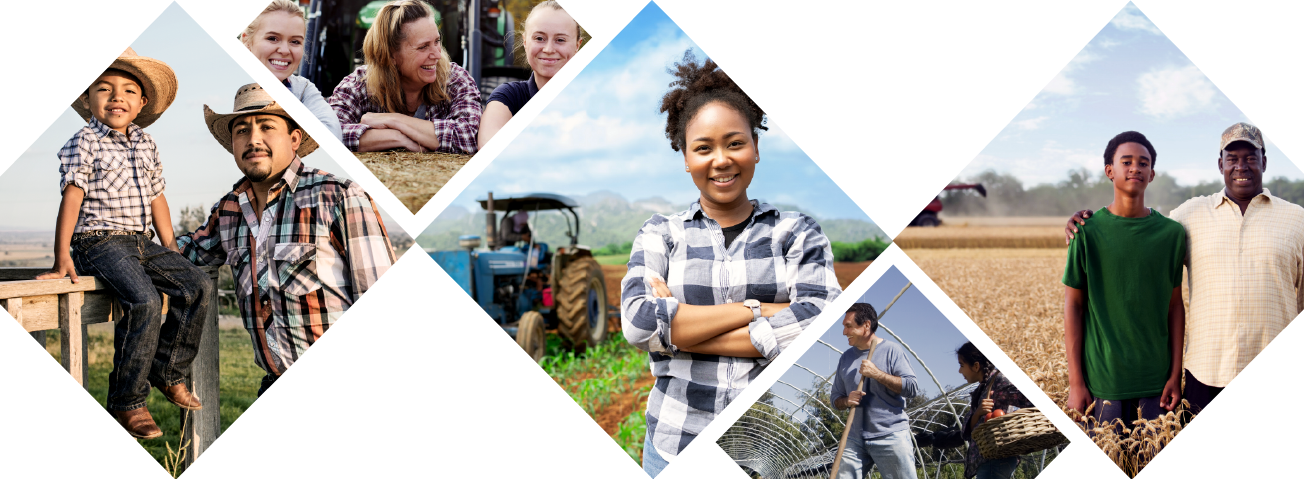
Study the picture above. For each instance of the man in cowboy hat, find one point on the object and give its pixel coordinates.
(112, 185)
(1245, 266)
(303, 245)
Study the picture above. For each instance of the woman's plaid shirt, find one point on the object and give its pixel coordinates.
(326, 244)
(456, 120)
(780, 257)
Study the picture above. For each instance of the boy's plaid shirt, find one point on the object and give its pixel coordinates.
(327, 246)
(120, 175)
(456, 120)
(780, 257)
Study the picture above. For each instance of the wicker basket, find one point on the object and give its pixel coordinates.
(1021, 432)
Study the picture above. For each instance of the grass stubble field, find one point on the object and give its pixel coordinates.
(1007, 278)
(413, 177)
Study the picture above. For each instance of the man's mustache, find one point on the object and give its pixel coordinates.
(255, 149)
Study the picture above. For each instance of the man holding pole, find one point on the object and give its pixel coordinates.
(875, 378)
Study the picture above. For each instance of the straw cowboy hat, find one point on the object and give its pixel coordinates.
(251, 99)
(157, 78)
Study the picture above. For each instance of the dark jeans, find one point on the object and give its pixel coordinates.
(268, 380)
(146, 352)
(1127, 410)
(1198, 393)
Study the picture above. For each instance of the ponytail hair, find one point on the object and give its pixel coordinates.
(971, 355)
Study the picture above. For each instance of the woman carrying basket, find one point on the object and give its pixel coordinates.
(994, 393)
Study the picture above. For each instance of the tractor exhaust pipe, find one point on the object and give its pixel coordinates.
(489, 224)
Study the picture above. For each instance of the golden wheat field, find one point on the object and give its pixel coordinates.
(1015, 296)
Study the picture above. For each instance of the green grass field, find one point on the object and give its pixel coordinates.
(240, 379)
(613, 259)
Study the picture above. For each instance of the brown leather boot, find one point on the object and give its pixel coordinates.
(138, 423)
(179, 395)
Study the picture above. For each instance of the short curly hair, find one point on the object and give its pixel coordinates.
(1129, 137)
(697, 85)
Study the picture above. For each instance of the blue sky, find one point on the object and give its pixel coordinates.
(1129, 77)
(603, 132)
(913, 318)
(198, 170)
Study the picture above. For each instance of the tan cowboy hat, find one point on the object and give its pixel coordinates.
(159, 83)
(251, 99)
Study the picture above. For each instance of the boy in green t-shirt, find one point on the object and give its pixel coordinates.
(1124, 321)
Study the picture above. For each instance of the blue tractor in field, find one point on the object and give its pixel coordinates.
(524, 285)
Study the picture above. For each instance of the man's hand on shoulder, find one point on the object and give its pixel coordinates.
(1071, 228)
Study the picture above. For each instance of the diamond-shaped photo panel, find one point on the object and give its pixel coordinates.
(414, 87)
(621, 238)
(1182, 272)
(908, 412)
(176, 242)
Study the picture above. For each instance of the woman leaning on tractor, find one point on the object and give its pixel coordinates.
(716, 292)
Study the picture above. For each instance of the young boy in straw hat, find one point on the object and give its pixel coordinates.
(112, 185)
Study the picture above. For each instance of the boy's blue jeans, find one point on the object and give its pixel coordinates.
(146, 350)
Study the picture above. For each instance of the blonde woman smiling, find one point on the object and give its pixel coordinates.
(408, 95)
(276, 38)
(549, 38)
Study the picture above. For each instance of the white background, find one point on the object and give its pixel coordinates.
(891, 98)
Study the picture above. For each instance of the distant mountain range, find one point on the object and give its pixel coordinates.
(606, 217)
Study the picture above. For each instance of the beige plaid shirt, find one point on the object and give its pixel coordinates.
(1245, 274)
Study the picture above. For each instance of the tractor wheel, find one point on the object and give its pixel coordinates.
(531, 336)
(489, 84)
(582, 304)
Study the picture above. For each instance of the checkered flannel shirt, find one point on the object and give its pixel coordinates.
(780, 257)
(456, 120)
(326, 246)
(1246, 274)
(121, 175)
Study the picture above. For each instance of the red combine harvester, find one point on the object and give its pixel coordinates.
(928, 217)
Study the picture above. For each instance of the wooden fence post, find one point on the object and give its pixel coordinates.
(203, 426)
(72, 335)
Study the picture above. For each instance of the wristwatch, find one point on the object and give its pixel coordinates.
(756, 308)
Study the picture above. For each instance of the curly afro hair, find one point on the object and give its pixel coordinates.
(696, 86)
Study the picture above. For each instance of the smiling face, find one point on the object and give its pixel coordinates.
(115, 99)
(1132, 169)
(278, 43)
(1242, 166)
(417, 57)
(263, 145)
(720, 154)
(550, 41)
(971, 371)
(857, 335)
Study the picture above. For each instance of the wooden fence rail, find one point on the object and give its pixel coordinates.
(60, 304)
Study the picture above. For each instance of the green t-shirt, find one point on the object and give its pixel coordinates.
(1128, 268)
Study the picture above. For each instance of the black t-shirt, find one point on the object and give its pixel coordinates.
(514, 94)
(732, 232)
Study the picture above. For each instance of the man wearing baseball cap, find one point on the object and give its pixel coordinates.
(303, 245)
(1245, 266)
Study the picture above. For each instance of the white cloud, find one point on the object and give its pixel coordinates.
(1031, 123)
(1062, 84)
(1175, 91)
(1049, 164)
(1130, 18)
